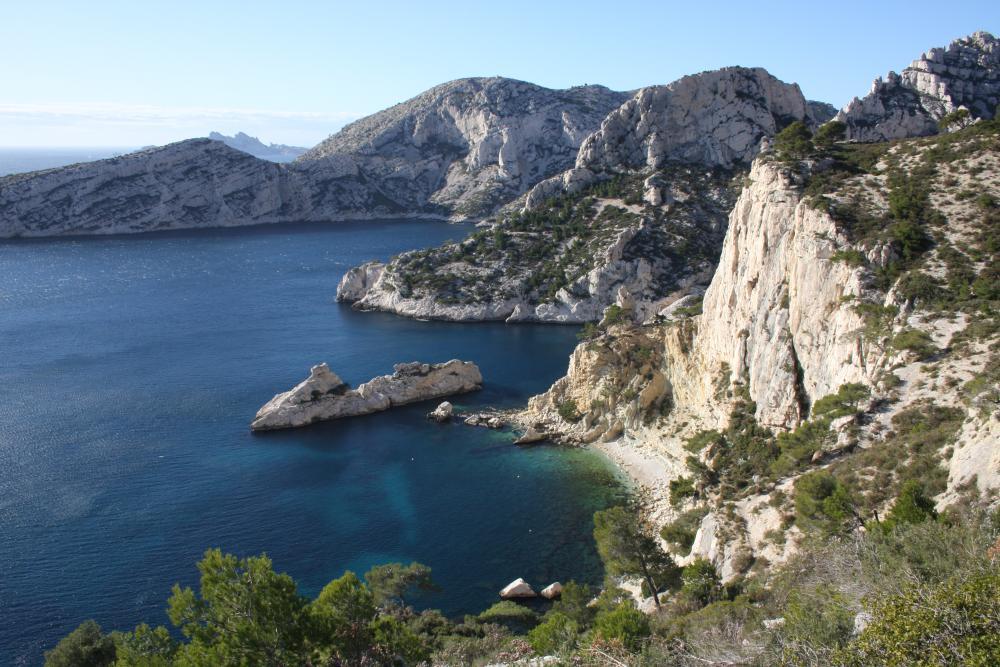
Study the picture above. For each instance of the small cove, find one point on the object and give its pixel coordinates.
(131, 369)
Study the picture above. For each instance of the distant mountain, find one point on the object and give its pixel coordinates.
(254, 146)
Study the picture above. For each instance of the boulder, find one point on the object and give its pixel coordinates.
(518, 588)
(442, 413)
(552, 591)
(324, 396)
(531, 435)
(494, 422)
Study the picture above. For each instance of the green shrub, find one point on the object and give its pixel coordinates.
(850, 257)
(510, 615)
(86, 646)
(954, 623)
(680, 489)
(912, 505)
(681, 532)
(569, 411)
(822, 502)
(556, 634)
(916, 341)
(701, 582)
(624, 624)
(794, 142)
(829, 133)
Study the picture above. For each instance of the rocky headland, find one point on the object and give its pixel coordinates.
(324, 396)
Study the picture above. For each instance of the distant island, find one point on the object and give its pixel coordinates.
(254, 146)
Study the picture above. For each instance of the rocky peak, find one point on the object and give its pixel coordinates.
(965, 74)
(465, 147)
(715, 118)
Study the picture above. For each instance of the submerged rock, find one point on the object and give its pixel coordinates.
(323, 395)
(518, 588)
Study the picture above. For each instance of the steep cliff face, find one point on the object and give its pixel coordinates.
(460, 149)
(777, 317)
(965, 74)
(854, 309)
(194, 183)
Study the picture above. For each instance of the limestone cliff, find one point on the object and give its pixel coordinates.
(639, 218)
(965, 74)
(715, 119)
(853, 309)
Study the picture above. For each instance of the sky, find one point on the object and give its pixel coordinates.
(141, 72)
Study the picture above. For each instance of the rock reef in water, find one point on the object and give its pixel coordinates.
(323, 395)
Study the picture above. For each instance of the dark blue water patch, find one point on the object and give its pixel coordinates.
(130, 370)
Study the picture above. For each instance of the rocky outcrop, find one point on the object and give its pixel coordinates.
(442, 413)
(965, 74)
(715, 119)
(518, 588)
(254, 146)
(323, 395)
(776, 317)
(527, 269)
(552, 591)
(464, 147)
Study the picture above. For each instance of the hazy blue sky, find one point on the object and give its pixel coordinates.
(79, 73)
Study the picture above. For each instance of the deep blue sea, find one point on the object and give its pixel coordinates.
(130, 368)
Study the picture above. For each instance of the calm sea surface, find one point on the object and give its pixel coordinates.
(130, 368)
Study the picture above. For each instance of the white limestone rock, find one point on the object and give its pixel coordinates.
(323, 395)
(358, 281)
(518, 588)
(552, 591)
(442, 413)
(909, 104)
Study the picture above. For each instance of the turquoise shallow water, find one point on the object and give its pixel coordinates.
(130, 368)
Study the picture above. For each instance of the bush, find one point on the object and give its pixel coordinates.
(86, 646)
(701, 582)
(680, 489)
(912, 506)
(510, 615)
(569, 411)
(818, 621)
(954, 623)
(822, 502)
(794, 142)
(624, 624)
(916, 341)
(682, 531)
(556, 634)
(829, 133)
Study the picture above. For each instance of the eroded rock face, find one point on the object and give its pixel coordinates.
(323, 395)
(194, 183)
(460, 149)
(716, 119)
(965, 74)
